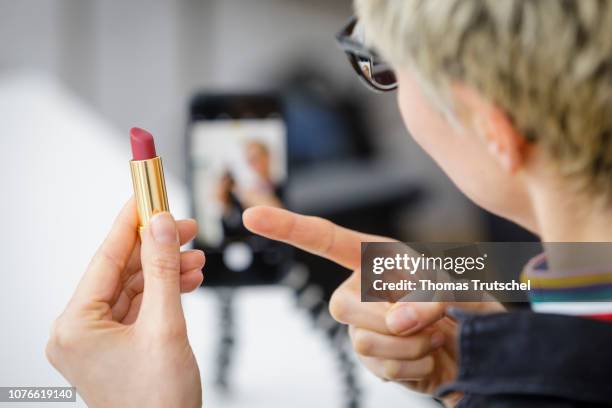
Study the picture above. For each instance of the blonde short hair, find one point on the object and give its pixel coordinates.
(547, 63)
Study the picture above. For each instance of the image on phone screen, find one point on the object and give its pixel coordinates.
(237, 164)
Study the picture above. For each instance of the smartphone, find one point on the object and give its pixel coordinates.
(237, 158)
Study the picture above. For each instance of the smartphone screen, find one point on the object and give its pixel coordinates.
(237, 164)
(238, 159)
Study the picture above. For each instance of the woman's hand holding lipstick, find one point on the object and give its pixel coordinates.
(122, 339)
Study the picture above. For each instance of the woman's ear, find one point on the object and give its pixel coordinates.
(495, 128)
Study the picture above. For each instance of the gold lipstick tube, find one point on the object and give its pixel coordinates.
(149, 189)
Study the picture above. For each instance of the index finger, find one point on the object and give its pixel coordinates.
(312, 234)
(100, 281)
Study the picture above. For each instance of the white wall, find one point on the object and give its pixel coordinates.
(136, 62)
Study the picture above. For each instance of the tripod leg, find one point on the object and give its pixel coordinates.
(226, 338)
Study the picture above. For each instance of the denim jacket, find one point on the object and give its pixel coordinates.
(526, 359)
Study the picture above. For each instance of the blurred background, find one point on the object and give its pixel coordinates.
(75, 75)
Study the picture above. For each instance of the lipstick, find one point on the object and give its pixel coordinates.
(147, 177)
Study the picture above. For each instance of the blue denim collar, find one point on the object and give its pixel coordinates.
(526, 353)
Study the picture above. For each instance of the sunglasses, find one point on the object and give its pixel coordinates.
(372, 70)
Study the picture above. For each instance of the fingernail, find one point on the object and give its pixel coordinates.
(260, 223)
(163, 228)
(437, 340)
(402, 320)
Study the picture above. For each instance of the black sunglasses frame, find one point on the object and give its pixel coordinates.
(363, 60)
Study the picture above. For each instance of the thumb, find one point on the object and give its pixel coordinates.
(161, 264)
(410, 317)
